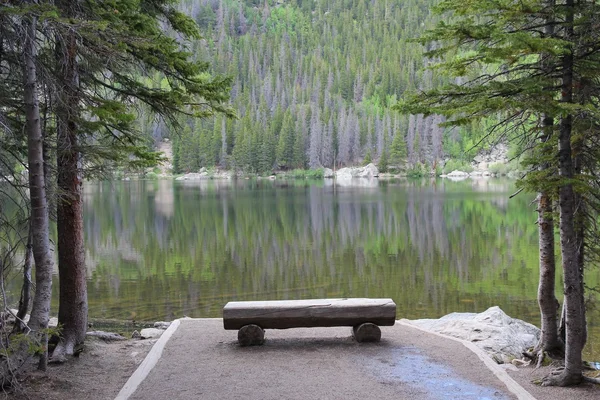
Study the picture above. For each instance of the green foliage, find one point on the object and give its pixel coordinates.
(368, 158)
(299, 173)
(383, 165)
(398, 151)
(288, 59)
(499, 168)
(457, 165)
(418, 170)
(151, 176)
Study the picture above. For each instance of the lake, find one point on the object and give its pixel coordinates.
(159, 250)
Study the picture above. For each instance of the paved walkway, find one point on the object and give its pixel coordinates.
(200, 360)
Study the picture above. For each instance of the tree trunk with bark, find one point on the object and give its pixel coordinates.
(42, 251)
(73, 306)
(25, 299)
(549, 340)
(572, 374)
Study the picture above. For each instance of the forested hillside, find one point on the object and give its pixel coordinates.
(312, 83)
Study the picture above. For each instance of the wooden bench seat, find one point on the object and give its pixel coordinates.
(364, 315)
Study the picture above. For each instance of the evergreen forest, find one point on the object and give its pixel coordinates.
(312, 86)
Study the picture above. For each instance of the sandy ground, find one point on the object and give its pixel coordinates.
(526, 376)
(203, 361)
(98, 373)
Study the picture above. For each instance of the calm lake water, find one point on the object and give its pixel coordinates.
(158, 250)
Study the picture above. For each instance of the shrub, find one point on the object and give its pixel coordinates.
(457, 165)
(499, 168)
(418, 170)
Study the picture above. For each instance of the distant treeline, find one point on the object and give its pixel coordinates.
(313, 82)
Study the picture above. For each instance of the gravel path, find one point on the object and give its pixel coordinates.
(203, 361)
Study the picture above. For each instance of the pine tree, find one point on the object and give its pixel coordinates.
(285, 146)
(398, 150)
(514, 37)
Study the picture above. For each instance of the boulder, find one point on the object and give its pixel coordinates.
(344, 173)
(502, 337)
(149, 333)
(368, 171)
(458, 174)
(327, 173)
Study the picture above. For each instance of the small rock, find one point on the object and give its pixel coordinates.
(136, 335)
(520, 363)
(108, 336)
(162, 325)
(150, 333)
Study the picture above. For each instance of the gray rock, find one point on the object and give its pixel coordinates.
(368, 171)
(162, 325)
(107, 336)
(327, 173)
(136, 335)
(458, 174)
(502, 337)
(149, 333)
(345, 173)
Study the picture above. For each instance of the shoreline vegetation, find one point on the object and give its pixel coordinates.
(497, 171)
(493, 162)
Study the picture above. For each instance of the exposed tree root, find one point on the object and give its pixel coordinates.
(562, 377)
(539, 355)
(65, 350)
(591, 380)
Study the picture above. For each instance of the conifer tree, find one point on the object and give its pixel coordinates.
(398, 150)
(511, 36)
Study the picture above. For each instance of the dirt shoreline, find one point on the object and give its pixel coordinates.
(103, 368)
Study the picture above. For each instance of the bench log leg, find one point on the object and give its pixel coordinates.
(251, 335)
(367, 332)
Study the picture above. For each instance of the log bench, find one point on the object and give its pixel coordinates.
(363, 315)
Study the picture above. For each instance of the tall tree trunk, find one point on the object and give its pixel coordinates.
(549, 340)
(42, 252)
(40, 231)
(574, 304)
(73, 307)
